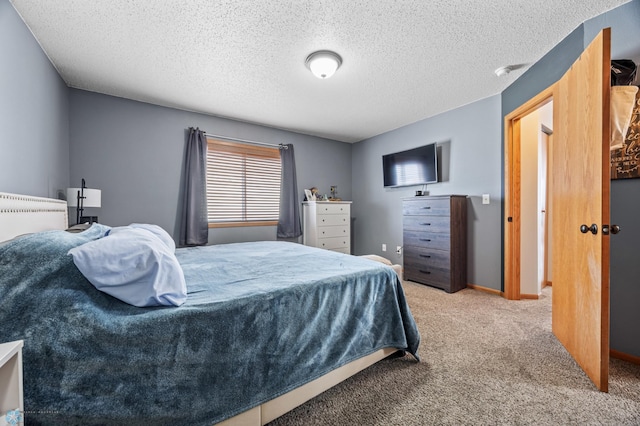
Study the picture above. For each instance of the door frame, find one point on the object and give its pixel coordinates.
(512, 193)
(547, 142)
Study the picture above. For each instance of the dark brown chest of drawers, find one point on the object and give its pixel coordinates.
(435, 241)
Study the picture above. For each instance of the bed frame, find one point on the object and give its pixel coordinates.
(23, 214)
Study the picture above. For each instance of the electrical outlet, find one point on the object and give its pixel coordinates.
(399, 250)
(384, 247)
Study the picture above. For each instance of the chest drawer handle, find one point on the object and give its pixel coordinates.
(425, 239)
(427, 208)
(424, 272)
(426, 224)
(428, 256)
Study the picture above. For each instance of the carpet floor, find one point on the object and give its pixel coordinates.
(485, 361)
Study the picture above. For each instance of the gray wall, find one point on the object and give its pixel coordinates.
(134, 151)
(34, 118)
(625, 196)
(470, 162)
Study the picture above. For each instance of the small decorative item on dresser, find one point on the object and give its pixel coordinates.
(334, 192)
(308, 196)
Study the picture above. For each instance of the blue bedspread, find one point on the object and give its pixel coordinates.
(260, 319)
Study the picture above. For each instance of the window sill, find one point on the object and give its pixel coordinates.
(242, 224)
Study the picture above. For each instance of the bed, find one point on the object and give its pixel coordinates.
(265, 327)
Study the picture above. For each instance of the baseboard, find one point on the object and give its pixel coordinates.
(485, 289)
(529, 296)
(625, 357)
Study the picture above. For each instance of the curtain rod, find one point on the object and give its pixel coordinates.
(281, 146)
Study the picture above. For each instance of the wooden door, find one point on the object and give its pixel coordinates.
(580, 191)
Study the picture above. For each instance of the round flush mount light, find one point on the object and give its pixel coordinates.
(323, 63)
(503, 71)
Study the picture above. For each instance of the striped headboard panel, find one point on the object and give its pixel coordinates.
(25, 214)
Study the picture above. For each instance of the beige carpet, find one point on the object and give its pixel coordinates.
(485, 361)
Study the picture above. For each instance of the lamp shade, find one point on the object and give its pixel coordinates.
(92, 197)
(323, 63)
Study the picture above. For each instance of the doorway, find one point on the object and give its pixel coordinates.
(580, 186)
(527, 240)
(535, 135)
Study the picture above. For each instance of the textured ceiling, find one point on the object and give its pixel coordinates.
(403, 61)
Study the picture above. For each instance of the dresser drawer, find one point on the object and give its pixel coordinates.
(440, 207)
(333, 243)
(441, 224)
(344, 250)
(440, 279)
(333, 231)
(333, 209)
(333, 220)
(432, 240)
(427, 258)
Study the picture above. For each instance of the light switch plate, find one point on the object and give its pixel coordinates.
(485, 199)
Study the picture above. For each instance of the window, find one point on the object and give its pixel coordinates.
(243, 184)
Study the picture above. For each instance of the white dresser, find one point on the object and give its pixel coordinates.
(327, 225)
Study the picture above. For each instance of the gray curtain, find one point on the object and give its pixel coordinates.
(289, 219)
(194, 229)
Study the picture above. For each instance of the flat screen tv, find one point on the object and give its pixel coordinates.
(416, 166)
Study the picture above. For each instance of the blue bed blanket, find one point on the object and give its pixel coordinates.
(260, 320)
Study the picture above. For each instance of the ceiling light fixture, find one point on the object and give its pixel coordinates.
(508, 68)
(503, 71)
(323, 63)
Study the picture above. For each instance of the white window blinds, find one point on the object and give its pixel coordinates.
(243, 183)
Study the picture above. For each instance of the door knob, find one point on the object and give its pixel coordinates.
(614, 229)
(593, 228)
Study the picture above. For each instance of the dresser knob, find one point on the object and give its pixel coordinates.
(425, 239)
(426, 224)
(425, 255)
(425, 272)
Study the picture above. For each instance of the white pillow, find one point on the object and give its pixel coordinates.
(155, 229)
(133, 265)
(377, 258)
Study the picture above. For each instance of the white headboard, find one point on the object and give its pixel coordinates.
(25, 214)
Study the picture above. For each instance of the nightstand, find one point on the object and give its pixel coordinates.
(11, 396)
